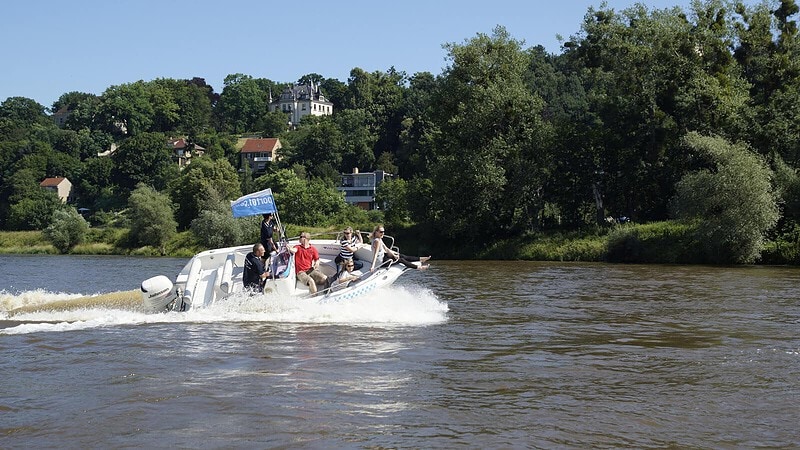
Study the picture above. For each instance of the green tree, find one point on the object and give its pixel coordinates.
(358, 141)
(650, 76)
(303, 202)
(126, 109)
(70, 100)
(144, 158)
(275, 123)
(23, 111)
(417, 129)
(215, 226)
(34, 210)
(242, 104)
(491, 154)
(317, 145)
(731, 201)
(392, 196)
(204, 182)
(380, 96)
(66, 230)
(151, 217)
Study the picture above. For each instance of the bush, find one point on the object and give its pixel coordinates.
(67, 229)
(667, 242)
(152, 219)
(217, 229)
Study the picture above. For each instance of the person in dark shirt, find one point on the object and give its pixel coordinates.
(267, 229)
(255, 272)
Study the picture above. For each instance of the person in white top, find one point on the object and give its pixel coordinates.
(348, 274)
(381, 253)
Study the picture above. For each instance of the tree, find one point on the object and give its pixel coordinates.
(144, 158)
(70, 100)
(380, 96)
(204, 182)
(215, 226)
(67, 229)
(316, 144)
(242, 104)
(275, 123)
(491, 155)
(126, 109)
(357, 140)
(303, 202)
(23, 111)
(731, 201)
(152, 218)
(392, 195)
(33, 212)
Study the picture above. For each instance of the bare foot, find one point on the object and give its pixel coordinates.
(425, 267)
(424, 259)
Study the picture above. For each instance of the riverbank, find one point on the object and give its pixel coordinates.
(99, 241)
(654, 243)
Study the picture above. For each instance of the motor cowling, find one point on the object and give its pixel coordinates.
(157, 294)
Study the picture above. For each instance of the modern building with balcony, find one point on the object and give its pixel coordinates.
(359, 188)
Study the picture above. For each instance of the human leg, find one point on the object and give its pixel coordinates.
(409, 261)
(319, 277)
(304, 278)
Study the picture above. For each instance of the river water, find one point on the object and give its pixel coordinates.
(464, 355)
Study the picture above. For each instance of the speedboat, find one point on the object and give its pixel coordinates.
(213, 275)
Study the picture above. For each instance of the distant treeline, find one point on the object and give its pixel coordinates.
(644, 116)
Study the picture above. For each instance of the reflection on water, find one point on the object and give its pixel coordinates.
(466, 354)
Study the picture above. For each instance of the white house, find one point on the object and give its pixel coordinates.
(301, 100)
(60, 186)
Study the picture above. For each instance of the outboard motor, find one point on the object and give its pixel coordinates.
(157, 294)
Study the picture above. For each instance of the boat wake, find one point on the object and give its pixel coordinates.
(42, 311)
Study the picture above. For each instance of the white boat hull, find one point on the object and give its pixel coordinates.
(214, 275)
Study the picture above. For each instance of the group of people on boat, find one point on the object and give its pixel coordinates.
(257, 271)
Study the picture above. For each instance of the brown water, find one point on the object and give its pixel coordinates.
(466, 354)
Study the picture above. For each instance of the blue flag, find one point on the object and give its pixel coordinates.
(260, 202)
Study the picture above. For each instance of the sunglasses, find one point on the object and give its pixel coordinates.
(380, 231)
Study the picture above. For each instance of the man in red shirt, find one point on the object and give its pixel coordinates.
(306, 264)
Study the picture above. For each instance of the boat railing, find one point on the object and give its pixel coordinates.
(365, 275)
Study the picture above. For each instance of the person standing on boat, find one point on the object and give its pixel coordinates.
(349, 244)
(381, 253)
(255, 272)
(267, 229)
(306, 263)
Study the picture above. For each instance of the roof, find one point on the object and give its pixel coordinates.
(178, 144)
(261, 145)
(52, 181)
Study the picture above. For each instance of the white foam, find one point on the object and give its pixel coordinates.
(9, 301)
(403, 306)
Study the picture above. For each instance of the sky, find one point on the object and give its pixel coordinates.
(49, 47)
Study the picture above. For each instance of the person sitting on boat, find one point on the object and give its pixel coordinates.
(306, 263)
(381, 253)
(349, 274)
(255, 272)
(268, 226)
(349, 244)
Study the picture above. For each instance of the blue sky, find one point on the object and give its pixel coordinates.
(52, 47)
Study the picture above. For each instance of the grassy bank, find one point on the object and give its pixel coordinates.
(654, 243)
(99, 241)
